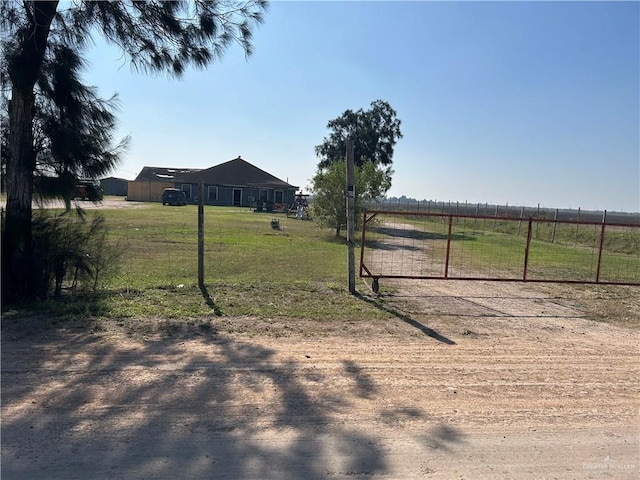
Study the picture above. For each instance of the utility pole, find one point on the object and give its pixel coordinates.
(351, 199)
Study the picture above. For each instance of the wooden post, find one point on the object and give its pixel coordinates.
(486, 209)
(577, 225)
(448, 254)
(520, 222)
(351, 199)
(201, 234)
(526, 251)
(553, 232)
(477, 209)
(600, 247)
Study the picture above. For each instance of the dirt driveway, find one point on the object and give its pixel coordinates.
(108, 202)
(471, 380)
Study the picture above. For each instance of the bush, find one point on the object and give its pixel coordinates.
(71, 251)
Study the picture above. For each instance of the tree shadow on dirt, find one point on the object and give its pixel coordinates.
(365, 385)
(420, 234)
(406, 318)
(395, 237)
(388, 246)
(160, 409)
(443, 437)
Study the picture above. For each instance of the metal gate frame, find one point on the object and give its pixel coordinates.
(369, 215)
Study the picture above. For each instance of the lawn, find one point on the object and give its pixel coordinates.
(159, 248)
(298, 270)
(251, 269)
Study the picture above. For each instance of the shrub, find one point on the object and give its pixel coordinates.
(71, 251)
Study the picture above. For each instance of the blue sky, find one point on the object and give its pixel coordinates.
(500, 102)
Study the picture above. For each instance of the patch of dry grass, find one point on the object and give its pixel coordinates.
(614, 304)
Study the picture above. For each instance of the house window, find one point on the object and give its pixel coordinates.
(279, 196)
(264, 194)
(213, 193)
(186, 188)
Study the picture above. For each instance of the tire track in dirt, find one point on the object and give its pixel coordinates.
(524, 388)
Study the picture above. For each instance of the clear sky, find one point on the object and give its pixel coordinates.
(500, 102)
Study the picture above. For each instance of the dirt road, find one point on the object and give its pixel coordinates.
(469, 381)
(108, 202)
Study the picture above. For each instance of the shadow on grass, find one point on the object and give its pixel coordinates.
(209, 301)
(407, 319)
(79, 310)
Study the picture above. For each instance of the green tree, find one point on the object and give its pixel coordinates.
(329, 189)
(73, 128)
(155, 36)
(374, 132)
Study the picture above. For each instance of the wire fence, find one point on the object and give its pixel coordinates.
(402, 244)
(158, 247)
(239, 247)
(505, 211)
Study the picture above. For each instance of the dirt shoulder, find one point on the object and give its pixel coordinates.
(470, 380)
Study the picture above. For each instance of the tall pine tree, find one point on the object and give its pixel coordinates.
(155, 36)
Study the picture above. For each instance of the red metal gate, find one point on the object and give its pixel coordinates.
(463, 247)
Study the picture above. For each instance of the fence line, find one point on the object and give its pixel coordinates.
(167, 255)
(505, 211)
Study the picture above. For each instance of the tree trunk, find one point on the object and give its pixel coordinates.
(67, 187)
(19, 278)
(17, 244)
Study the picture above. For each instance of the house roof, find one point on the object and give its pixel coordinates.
(162, 174)
(234, 172)
(114, 179)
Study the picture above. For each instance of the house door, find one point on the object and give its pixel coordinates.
(237, 197)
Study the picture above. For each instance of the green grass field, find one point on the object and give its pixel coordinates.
(251, 269)
(296, 271)
(159, 248)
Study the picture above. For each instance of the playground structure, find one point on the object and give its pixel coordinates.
(300, 207)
